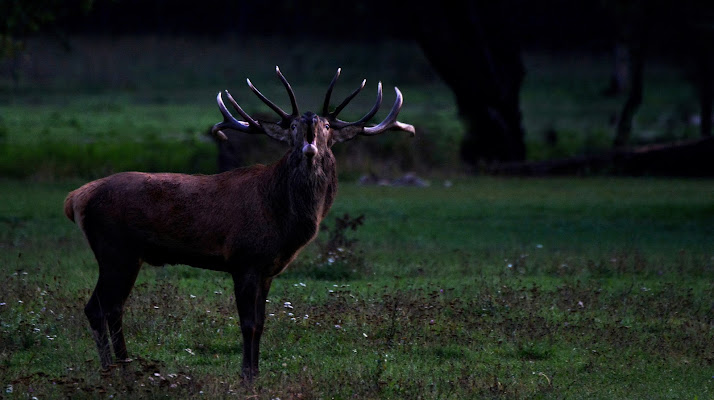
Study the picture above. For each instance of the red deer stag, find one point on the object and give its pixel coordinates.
(250, 222)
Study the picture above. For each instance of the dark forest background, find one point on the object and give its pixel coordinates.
(475, 47)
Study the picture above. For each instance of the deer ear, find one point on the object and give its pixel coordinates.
(275, 131)
(346, 133)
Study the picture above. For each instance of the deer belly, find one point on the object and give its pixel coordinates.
(160, 255)
(160, 248)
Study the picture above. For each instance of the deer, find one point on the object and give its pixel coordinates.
(250, 222)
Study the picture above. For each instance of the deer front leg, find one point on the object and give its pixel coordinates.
(251, 290)
(116, 332)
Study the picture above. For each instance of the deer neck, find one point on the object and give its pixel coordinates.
(306, 190)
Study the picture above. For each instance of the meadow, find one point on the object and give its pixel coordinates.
(539, 288)
(146, 103)
(473, 287)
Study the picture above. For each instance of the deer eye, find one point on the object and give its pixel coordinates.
(293, 126)
(327, 126)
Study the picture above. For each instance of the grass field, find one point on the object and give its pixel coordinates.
(473, 287)
(145, 103)
(563, 288)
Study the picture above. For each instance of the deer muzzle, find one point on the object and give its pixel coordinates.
(309, 149)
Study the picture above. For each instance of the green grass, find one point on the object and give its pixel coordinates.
(145, 103)
(484, 288)
(536, 288)
(92, 135)
(564, 94)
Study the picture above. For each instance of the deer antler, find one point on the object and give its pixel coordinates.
(283, 115)
(252, 126)
(390, 122)
(338, 124)
(348, 99)
(326, 104)
(230, 122)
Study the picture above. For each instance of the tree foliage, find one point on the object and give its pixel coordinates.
(22, 18)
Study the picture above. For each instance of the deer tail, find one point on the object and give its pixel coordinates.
(69, 206)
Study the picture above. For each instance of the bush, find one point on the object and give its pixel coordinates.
(339, 257)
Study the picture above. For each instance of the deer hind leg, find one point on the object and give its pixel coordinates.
(106, 306)
(98, 323)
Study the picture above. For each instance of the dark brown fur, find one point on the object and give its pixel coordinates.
(249, 222)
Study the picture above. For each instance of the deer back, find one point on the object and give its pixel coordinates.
(259, 216)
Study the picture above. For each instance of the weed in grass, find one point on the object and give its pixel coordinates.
(338, 256)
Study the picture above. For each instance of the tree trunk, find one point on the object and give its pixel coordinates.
(705, 75)
(633, 28)
(634, 96)
(473, 47)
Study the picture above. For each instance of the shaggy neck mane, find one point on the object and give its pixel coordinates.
(303, 192)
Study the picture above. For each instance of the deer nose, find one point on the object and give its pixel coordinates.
(308, 147)
(310, 134)
(309, 150)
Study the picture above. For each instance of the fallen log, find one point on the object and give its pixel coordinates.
(686, 158)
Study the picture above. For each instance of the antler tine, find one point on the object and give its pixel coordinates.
(342, 124)
(374, 109)
(253, 123)
(291, 94)
(230, 122)
(326, 104)
(390, 122)
(347, 100)
(283, 115)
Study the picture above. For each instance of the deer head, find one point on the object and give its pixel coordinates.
(310, 135)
